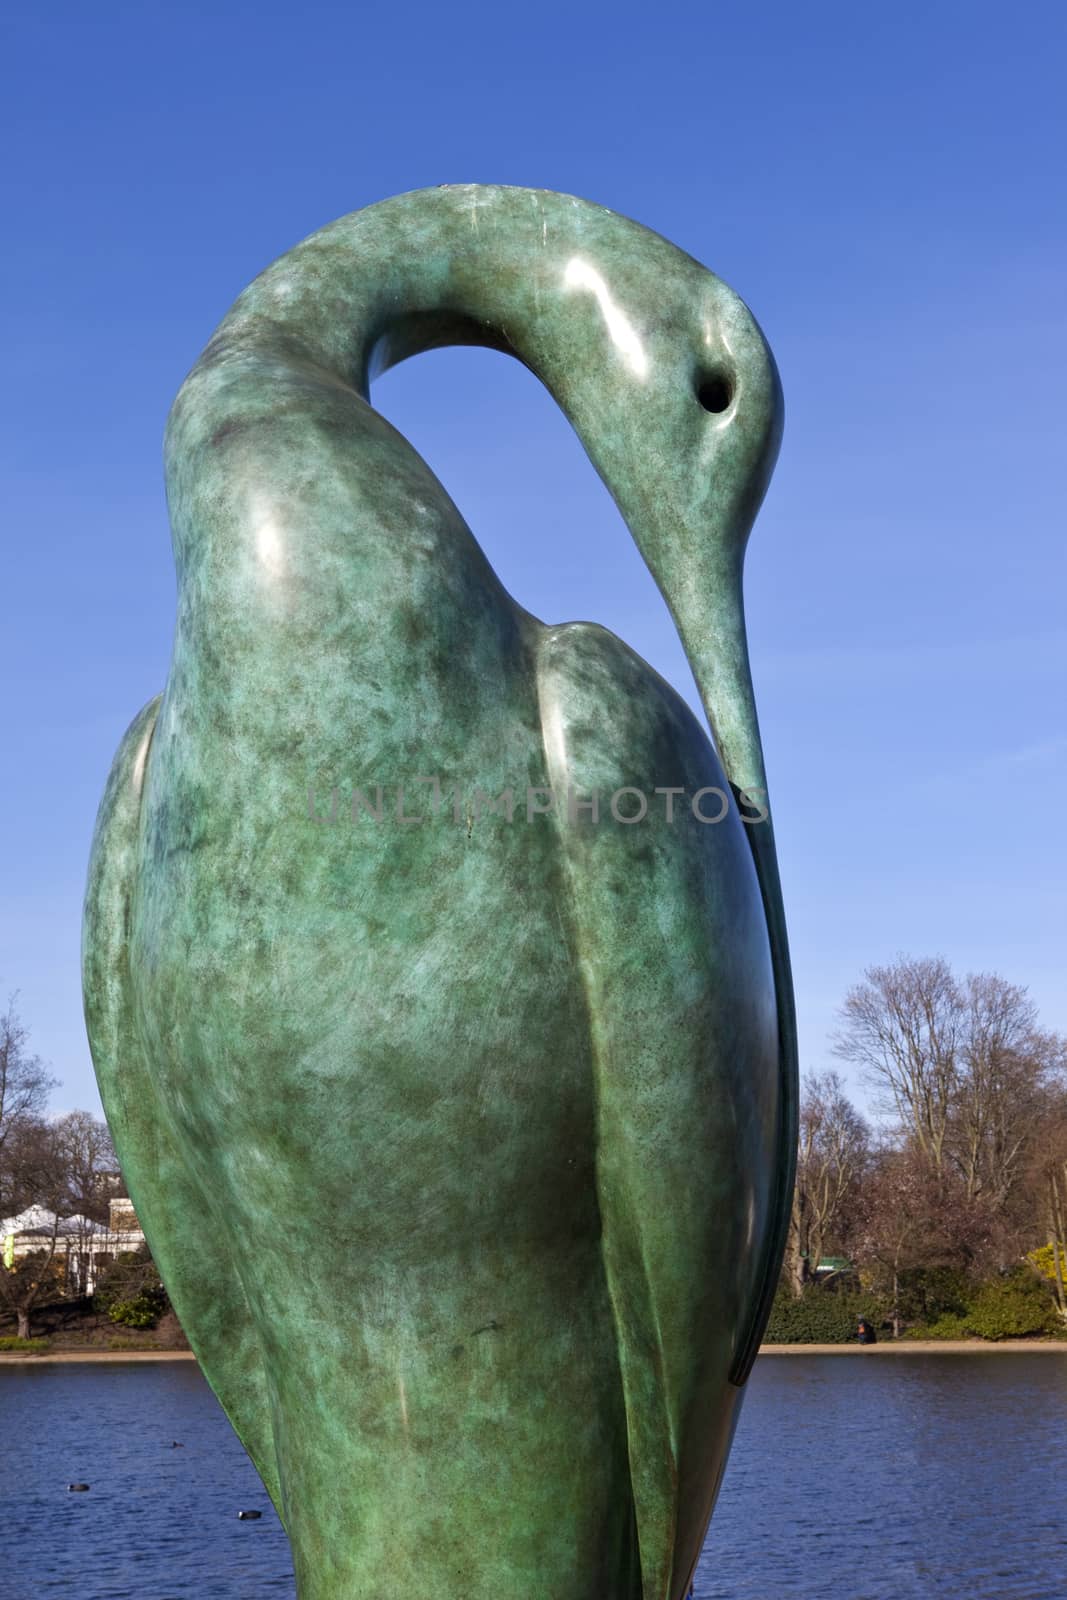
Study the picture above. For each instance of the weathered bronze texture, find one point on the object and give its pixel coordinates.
(464, 1145)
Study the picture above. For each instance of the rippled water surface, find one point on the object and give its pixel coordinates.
(852, 1478)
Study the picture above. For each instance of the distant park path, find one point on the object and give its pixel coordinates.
(92, 1357)
(903, 1347)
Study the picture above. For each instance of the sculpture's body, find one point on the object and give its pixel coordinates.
(464, 1149)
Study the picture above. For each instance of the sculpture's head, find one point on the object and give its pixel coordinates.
(660, 365)
(676, 375)
(675, 394)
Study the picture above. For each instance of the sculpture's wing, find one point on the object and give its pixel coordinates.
(671, 941)
(200, 1277)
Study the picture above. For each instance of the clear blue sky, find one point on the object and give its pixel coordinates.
(884, 186)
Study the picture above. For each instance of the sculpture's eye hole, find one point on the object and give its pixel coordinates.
(714, 391)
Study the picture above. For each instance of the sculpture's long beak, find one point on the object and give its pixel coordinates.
(693, 534)
(712, 629)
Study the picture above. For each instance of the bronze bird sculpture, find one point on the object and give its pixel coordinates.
(435, 964)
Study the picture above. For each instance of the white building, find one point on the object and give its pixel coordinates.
(80, 1247)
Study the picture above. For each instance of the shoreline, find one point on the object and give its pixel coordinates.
(90, 1357)
(903, 1347)
(920, 1347)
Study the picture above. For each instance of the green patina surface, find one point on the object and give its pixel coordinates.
(464, 1145)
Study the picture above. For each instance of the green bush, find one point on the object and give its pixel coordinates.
(30, 1347)
(143, 1311)
(949, 1326)
(131, 1291)
(820, 1316)
(1014, 1307)
(934, 1294)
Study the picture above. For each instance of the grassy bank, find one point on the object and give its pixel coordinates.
(81, 1325)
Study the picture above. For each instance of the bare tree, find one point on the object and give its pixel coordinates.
(913, 1217)
(903, 1026)
(25, 1156)
(1006, 1063)
(25, 1082)
(89, 1168)
(55, 1171)
(38, 1180)
(1048, 1172)
(830, 1160)
(1057, 1232)
(90, 1162)
(972, 1083)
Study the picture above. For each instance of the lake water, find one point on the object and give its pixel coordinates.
(852, 1478)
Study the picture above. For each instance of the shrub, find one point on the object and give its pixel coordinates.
(820, 1316)
(30, 1347)
(1042, 1259)
(1014, 1307)
(131, 1292)
(143, 1311)
(950, 1326)
(934, 1294)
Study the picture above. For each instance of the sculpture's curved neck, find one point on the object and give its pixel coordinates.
(480, 265)
(615, 321)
